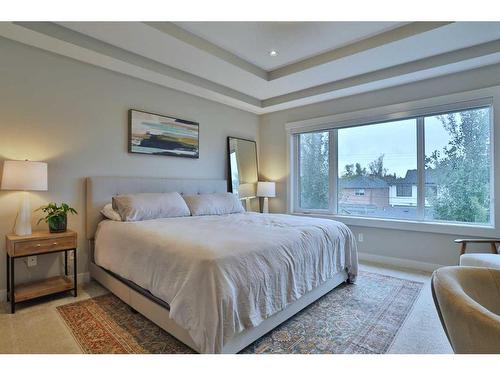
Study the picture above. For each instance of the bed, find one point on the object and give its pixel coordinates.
(219, 282)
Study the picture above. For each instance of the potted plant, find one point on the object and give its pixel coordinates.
(56, 216)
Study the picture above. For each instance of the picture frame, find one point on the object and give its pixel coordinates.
(155, 134)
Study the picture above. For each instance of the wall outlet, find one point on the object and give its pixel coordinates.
(31, 261)
(360, 237)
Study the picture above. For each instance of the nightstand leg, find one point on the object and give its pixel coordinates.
(66, 262)
(8, 276)
(12, 287)
(493, 247)
(463, 248)
(75, 271)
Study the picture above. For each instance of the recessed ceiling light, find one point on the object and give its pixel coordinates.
(273, 53)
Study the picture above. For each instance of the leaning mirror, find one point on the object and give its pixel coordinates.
(243, 172)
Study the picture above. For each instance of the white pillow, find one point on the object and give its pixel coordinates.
(110, 214)
(214, 204)
(146, 206)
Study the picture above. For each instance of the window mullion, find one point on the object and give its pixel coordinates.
(333, 170)
(420, 168)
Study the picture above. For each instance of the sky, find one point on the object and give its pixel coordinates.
(397, 140)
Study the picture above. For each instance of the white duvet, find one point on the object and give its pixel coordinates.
(223, 274)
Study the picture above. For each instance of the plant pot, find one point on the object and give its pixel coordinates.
(58, 224)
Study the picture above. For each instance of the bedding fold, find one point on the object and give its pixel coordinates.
(223, 274)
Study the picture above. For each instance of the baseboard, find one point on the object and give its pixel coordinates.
(399, 262)
(82, 278)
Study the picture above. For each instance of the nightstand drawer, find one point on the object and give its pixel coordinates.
(43, 246)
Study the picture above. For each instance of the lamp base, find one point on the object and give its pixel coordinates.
(265, 207)
(23, 220)
(248, 208)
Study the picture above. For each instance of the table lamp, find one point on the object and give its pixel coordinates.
(25, 176)
(246, 192)
(266, 190)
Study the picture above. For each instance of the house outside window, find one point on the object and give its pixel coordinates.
(436, 166)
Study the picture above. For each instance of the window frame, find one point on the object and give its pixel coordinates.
(355, 119)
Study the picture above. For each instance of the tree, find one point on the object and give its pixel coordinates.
(348, 171)
(376, 167)
(360, 171)
(462, 168)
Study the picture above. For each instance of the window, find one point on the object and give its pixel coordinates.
(314, 170)
(376, 158)
(457, 166)
(404, 190)
(436, 166)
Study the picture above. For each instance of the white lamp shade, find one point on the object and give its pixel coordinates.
(266, 189)
(246, 190)
(24, 175)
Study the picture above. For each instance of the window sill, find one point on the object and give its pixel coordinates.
(417, 226)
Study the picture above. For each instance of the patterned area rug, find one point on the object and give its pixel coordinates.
(353, 318)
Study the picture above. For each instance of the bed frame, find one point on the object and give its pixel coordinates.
(100, 190)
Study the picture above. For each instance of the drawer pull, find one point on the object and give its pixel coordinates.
(55, 243)
(38, 245)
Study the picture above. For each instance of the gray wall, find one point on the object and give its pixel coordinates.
(415, 246)
(74, 116)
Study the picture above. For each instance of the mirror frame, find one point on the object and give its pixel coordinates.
(229, 181)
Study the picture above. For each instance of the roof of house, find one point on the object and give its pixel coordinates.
(411, 177)
(362, 182)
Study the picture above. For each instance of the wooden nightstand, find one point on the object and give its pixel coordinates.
(39, 243)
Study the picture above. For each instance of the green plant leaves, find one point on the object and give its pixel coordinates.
(55, 213)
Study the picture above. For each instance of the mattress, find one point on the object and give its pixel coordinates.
(223, 274)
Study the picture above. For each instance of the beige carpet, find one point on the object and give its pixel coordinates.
(360, 318)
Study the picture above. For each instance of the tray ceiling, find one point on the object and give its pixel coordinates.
(294, 41)
(229, 62)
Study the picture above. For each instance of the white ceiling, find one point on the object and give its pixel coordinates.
(229, 62)
(294, 41)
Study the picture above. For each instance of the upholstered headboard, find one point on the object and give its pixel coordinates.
(100, 190)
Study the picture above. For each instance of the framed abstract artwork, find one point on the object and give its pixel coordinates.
(154, 134)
